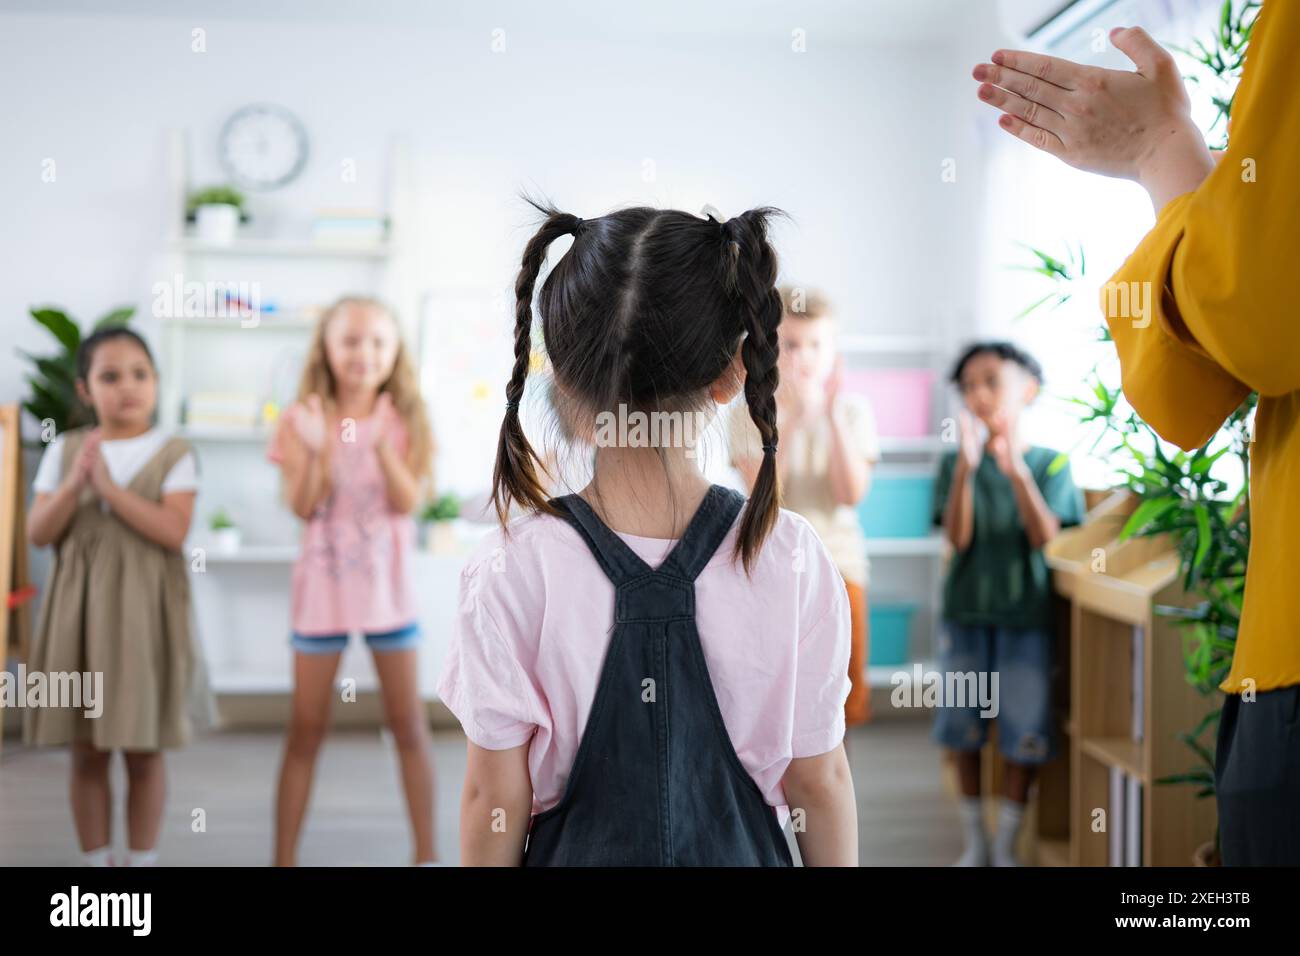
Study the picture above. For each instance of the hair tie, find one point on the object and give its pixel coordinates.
(771, 448)
(513, 403)
(578, 223)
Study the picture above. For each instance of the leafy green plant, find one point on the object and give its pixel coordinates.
(444, 508)
(52, 379)
(1062, 273)
(215, 195)
(1218, 63)
(221, 520)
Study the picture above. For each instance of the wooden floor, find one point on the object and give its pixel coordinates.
(905, 816)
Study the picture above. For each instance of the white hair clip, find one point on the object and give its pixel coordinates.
(711, 212)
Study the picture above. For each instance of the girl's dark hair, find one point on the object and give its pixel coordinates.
(81, 414)
(109, 333)
(1003, 350)
(646, 309)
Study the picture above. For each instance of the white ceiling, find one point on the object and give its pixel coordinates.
(892, 23)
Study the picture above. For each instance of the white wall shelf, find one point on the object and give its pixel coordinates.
(882, 675)
(920, 445)
(290, 322)
(252, 554)
(257, 434)
(930, 545)
(296, 248)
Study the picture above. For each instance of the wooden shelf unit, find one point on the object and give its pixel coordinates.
(1113, 589)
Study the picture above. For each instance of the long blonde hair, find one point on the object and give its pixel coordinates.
(402, 384)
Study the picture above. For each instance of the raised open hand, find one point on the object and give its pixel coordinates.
(1133, 125)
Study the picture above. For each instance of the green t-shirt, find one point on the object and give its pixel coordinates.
(1000, 580)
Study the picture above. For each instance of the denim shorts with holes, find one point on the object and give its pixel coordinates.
(1022, 661)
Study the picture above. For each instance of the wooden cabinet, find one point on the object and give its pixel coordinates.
(1129, 699)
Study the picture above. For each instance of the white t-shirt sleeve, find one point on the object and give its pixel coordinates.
(184, 475)
(50, 470)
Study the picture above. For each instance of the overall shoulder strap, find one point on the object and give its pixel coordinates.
(710, 524)
(619, 562)
(154, 471)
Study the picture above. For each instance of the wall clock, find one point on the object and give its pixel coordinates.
(263, 146)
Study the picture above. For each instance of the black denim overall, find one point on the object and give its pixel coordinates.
(656, 781)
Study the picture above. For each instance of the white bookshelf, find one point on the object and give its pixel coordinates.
(241, 598)
(907, 569)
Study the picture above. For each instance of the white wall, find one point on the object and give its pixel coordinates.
(848, 137)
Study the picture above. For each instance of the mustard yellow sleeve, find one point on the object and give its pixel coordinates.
(1219, 263)
(1178, 389)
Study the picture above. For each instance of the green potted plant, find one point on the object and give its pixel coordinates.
(216, 212)
(438, 519)
(225, 533)
(52, 379)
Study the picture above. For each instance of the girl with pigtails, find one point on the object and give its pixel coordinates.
(652, 669)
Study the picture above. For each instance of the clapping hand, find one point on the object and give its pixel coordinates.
(309, 423)
(95, 469)
(79, 475)
(969, 448)
(1002, 444)
(384, 416)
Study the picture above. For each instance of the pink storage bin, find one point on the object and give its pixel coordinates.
(901, 398)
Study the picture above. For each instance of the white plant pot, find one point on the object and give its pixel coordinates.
(441, 538)
(217, 223)
(227, 540)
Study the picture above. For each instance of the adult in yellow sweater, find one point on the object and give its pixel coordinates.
(1219, 267)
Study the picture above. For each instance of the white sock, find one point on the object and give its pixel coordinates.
(1010, 814)
(976, 852)
(101, 857)
(141, 857)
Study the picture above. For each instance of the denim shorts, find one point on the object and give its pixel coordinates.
(399, 640)
(1022, 661)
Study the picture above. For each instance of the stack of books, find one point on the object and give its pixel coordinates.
(361, 227)
(225, 409)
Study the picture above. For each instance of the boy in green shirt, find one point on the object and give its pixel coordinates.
(998, 505)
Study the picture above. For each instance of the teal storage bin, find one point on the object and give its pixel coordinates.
(898, 506)
(891, 627)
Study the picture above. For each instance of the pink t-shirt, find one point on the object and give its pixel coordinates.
(534, 623)
(353, 569)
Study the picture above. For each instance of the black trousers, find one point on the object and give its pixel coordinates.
(1257, 777)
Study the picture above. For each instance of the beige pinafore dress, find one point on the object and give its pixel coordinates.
(118, 604)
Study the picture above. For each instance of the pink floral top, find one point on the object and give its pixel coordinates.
(353, 572)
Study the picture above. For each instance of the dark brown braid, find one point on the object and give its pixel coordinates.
(515, 476)
(750, 266)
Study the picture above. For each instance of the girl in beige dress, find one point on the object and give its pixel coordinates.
(115, 502)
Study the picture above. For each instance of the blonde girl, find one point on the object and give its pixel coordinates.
(355, 453)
